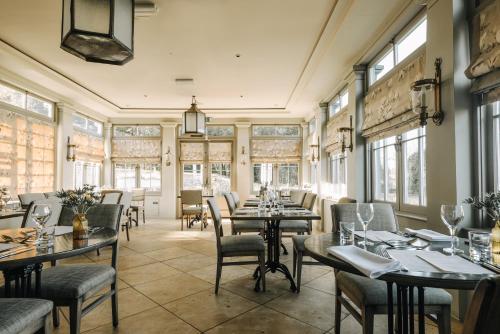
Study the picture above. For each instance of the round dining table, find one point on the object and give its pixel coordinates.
(404, 279)
(18, 264)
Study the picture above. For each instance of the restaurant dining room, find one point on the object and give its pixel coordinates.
(264, 166)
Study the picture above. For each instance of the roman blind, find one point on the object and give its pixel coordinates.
(193, 152)
(338, 120)
(89, 148)
(136, 150)
(220, 152)
(276, 150)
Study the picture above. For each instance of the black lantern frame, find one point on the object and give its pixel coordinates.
(93, 46)
(194, 114)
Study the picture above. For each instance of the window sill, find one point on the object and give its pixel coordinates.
(411, 216)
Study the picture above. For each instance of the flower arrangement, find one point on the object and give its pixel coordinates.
(80, 200)
(490, 204)
(4, 191)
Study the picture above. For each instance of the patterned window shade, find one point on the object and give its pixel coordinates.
(340, 119)
(276, 150)
(387, 104)
(88, 148)
(485, 43)
(220, 152)
(27, 149)
(136, 150)
(192, 152)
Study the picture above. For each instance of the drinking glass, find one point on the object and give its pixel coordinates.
(364, 211)
(40, 215)
(452, 216)
(479, 246)
(346, 233)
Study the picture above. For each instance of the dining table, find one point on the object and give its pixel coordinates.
(287, 203)
(11, 213)
(273, 219)
(20, 263)
(408, 277)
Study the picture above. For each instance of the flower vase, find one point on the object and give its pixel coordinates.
(80, 227)
(495, 238)
(3, 204)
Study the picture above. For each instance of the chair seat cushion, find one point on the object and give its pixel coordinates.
(19, 314)
(299, 242)
(74, 281)
(366, 291)
(191, 210)
(294, 226)
(248, 225)
(242, 244)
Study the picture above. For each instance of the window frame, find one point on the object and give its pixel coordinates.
(84, 165)
(337, 100)
(86, 130)
(137, 173)
(253, 135)
(337, 160)
(136, 134)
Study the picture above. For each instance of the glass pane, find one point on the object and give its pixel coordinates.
(381, 67)
(262, 175)
(496, 144)
(344, 99)
(379, 175)
(412, 41)
(150, 176)
(148, 131)
(411, 171)
(92, 15)
(276, 130)
(192, 177)
(288, 175)
(220, 131)
(221, 178)
(94, 127)
(12, 96)
(125, 176)
(391, 173)
(40, 106)
(124, 131)
(334, 106)
(79, 122)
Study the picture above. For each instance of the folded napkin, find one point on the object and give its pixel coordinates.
(452, 264)
(7, 246)
(381, 236)
(429, 235)
(372, 265)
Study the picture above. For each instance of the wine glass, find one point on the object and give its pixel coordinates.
(452, 216)
(364, 211)
(40, 215)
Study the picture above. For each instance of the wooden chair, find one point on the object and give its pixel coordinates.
(125, 201)
(242, 226)
(192, 208)
(236, 245)
(25, 316)
(111, 196)
(483, 314)
(138, 204)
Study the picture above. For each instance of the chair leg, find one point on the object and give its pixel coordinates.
(98, 252)
(338, 309)
(299, 269)
(137, 218)
(46, 327)
(182, 223)
(143, 215)
(55, 316)
(114, 304)
(218, 274)
(75, 316)
(367, 316)
(294, 260)
(444, 320)
(262, 260)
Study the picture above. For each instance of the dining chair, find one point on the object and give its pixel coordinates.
(138, 204)
(236, 246)
(72, 285)
(55, 208)
(25, 316)
(299, 249)
(192, 208)
(111, 196)
(27, 198)
(126, 223)
(297, 196)
(242, 226)
(236, 199)
(483, 314)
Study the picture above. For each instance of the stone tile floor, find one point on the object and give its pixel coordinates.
(166, 282)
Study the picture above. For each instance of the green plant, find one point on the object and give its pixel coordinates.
(490, 203)
(79, 200)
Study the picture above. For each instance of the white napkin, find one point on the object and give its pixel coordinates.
(370, 264)
(381, 236)
(429, 235)
(452, 264)
(60, 230)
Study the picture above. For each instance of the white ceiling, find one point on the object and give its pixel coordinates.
(294, 53)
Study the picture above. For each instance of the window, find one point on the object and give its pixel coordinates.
(136, 131)
(262, 175)
(344, 98)
(192, 177)
(496, 144)
(87, 173)
(398, 170)
(407, 41)
(27, 101)
(288, 175)
(219, 130)
(276, 130)
(145, 175)
(339, 102)
(338, 175)
(150, 176)
(125, 176)
(220, 178)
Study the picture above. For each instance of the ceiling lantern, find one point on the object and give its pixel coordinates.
(193, 120)
(100, 31)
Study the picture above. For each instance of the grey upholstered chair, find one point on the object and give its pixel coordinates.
(242, 226)
(72, 285)
(111, 196)
(236, 199)
(236, 245)
(192, 207)
(55, 207)
(50, 195)
(297, 196)
(27, 198)
(25, 316)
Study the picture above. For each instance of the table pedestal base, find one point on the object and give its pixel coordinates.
(22, 279)
(405, 309)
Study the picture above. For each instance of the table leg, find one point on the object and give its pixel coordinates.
(399, 312)
(390, 309)
(412, 309)
(421, 310)
(404, 292)
(38, 279)
(7, 275)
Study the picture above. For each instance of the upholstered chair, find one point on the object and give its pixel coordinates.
(27, 198)
(192, 207)
(243, 226)
(483, 314)
(55, 208)
(297, 196)
(111, 196)
(236, 199)
(25, 316)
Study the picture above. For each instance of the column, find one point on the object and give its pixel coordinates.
(322, 170)
(243, 167)
(107, 163)
(64, 168)
(305, 154)
(168, 198)
(362, 189)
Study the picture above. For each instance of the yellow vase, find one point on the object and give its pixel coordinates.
(80, 227)
(495, 239)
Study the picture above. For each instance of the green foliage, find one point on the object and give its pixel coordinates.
(79, 200)
(490, 203)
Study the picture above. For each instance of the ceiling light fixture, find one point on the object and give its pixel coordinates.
(194, 120)
(99, 31)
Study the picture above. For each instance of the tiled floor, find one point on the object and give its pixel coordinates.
(167, 286)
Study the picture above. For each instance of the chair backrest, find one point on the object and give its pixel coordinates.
(191, 197)
(55, 208)
(309, 200)
(483, 314)
(27, 198)
(217, 219)
(236, 198)
(384, 217)
(230, 202)
(345, 200)
(111, 196)
(138, 195)
(126, 201)
(50, 195)
(297, 196)
(100, 215)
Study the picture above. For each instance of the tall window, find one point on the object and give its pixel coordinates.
(496, 144)
(89, 153)
(339, 102)
(87, 173)
(192, 176)
(288, 175)
(398, 170)
(338, 175)
(407, 41)
(262, 175)
(25, 100)
(220, 173)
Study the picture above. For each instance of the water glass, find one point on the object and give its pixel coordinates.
(47, 237)
(479, 246)
(281, 208)
(452, 216)
(40, 215)
(365, 214)
(346, 233)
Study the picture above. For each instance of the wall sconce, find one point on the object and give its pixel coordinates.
(168, 157)
(314, 152)
(70, 150)
(425, 97)
(243, 156)
(341, 136)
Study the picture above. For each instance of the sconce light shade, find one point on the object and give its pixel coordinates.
(243, 156)
(70, 150)
(168, 158)
(193, 120)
